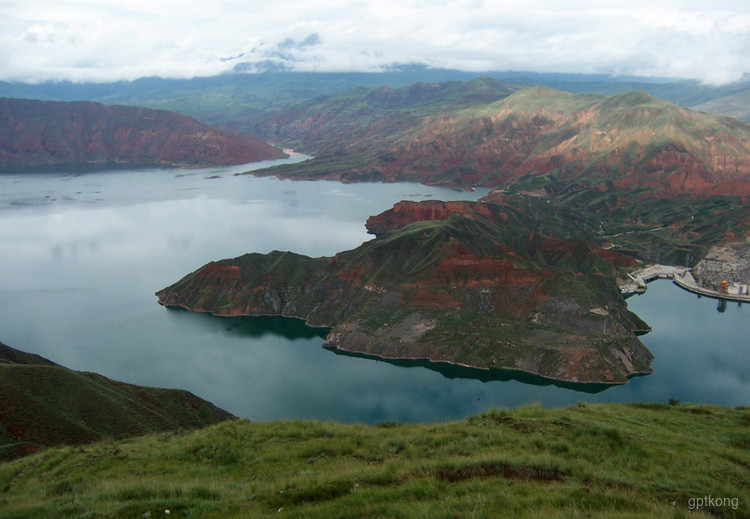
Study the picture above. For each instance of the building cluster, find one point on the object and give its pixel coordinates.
(735, 289)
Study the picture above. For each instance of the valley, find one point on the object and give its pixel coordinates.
(409, 260)
(520, 284)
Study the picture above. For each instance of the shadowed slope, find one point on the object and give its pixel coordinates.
(45, 404)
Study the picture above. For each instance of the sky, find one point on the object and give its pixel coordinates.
(104, 40)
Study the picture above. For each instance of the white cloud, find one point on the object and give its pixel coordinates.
(104, 40)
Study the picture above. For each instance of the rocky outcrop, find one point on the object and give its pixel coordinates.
(405, 213)
(46, 132)
(446, 282)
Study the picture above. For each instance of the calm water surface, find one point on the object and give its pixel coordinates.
(81, 256)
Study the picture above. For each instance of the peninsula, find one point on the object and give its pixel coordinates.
(450, 282)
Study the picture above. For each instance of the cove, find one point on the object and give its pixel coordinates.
(83, 252)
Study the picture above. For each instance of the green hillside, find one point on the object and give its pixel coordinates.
(43, 404)
(603, 461)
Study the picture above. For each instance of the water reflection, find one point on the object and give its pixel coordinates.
(452, 372)
(255, 327)
(698, 359)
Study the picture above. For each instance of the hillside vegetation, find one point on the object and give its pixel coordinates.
(44, 404)
(604, 461)
(659, 182)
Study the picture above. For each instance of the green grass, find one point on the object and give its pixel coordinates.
(610, 461)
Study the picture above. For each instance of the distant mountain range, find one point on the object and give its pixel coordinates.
(45, 404)
(49, 132)
(236, 100)
(484, 132)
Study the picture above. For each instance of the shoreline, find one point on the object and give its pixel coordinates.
(569, 383)
(512, 372)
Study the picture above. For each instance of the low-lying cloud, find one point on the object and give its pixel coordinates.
(85, 40)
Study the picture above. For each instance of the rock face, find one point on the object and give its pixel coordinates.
(447, 282)
(44, 132)
(45, 404)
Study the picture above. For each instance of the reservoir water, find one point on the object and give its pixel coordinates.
(82, 253)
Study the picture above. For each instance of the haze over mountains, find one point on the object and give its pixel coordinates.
(234, 100)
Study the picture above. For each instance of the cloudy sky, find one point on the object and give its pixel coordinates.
(105, 40)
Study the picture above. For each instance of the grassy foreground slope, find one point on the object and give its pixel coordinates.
(608, 461)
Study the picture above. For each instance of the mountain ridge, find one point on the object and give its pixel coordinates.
(51, 132)
(632, 139)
